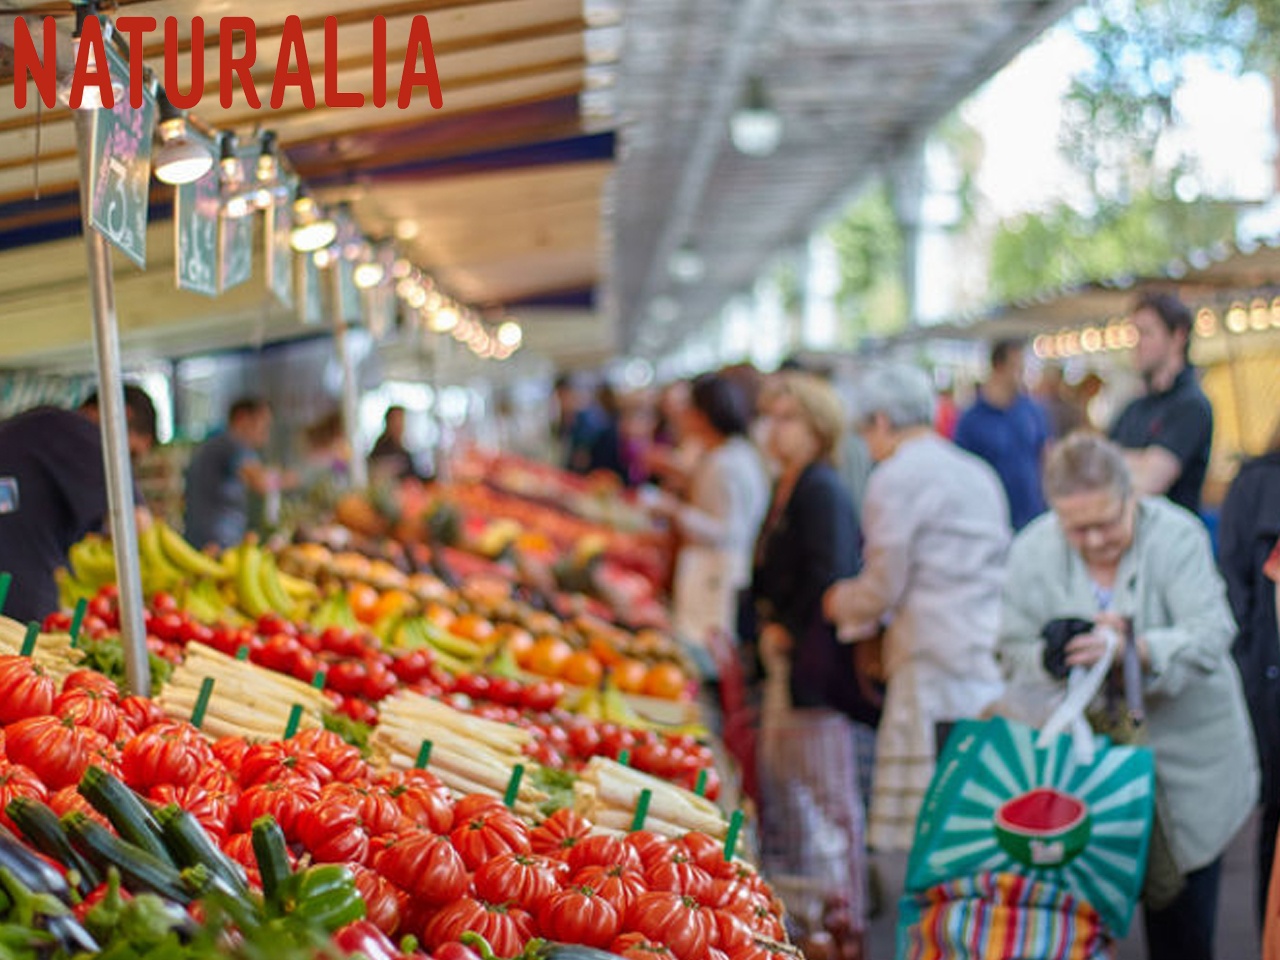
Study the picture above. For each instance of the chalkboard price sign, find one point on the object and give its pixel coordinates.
(235, 234)
(278, 223)
(120, 167)
(195, 216)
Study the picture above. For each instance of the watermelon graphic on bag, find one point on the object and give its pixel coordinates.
(1001, 805)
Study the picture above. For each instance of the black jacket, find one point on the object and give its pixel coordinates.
(814, 543)
(1247, 533)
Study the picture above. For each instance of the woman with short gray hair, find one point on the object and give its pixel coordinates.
(1143, 567)
(936, 529)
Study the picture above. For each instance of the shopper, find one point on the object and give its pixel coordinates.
(1008, 429)
(1248, 533)
(224, 470)
(812, 831)
(53, 491)
(390, 459)
(1061, 406)
(936, 531)
(719, 520)
(1111, 556)
(1167, 432)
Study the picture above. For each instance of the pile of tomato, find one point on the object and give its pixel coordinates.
(426, 865)
(358, 674)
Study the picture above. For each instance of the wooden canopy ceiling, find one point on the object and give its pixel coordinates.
(497, 194)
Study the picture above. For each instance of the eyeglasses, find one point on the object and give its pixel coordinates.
(1111, 524)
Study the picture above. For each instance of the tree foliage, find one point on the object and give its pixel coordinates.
(869, 245)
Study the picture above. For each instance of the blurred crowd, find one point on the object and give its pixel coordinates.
(885, 561)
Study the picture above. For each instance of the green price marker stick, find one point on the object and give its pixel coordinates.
(29, 641)
(6, 580)
(642, 810)
(77, 619)
(513, 785)
(202, 702)
(295, 718)
(424, 756)
(731, 838)
(700, 788)
(243, 653)
(318, 679)
(624, 757)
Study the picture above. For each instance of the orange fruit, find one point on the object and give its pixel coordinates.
(440, 615)
(604, 650)
(472, 626)
(392, 602)
(548, 656)
(582, 669)
(664, 680)
(629, 674)
(518, 640)
(364, 601)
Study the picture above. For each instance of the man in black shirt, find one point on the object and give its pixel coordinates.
(52, 470)
(1168, 431)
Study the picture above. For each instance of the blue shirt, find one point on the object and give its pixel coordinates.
(1012, 441)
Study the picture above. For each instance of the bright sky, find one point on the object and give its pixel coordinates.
(1228, 120)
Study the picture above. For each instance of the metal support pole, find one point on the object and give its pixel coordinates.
(115, 430)
(350, 389)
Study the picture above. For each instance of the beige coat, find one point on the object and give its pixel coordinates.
(1197, 724)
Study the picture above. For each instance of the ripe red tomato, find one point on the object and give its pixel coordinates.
(603, 850)
(507, 691)
(379, 682)
(333, 832)
(424, 864)
(413, 665)
(18, 781)
(618, 884)
(485, 836)
(423, 800)
(676, 873)
(169, 627)
(358, 709)
(284, 799)
(166, 752)
(91, 680)
(56, 751)
(580, 915)
(68, 799)
(636, 946)
(507, 929)
(212, 809)
(57, 622)
(376, 809)
(682, 923)
(272, 623)
(762, 920)
(342, 760)
(454, 951)
(89, 708)
(732, 932)
(542, 695)
(164, 602)
(652, 847)
(347, 677)
(520, 878)
(761, 951)
(274, 761)
(26, 690)
(381, 899)
(475, 804)
(560, 831)
(142, 713)
(230, 752)
(345, 643)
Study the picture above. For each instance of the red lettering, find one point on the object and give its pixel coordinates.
(419, 38)
(100, 75)
(183, 101)
(29, 64)
(134, 28)
(231, 66)
(292, 46)
(332, 96)
(379, 62)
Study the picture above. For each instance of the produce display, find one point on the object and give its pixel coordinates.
(406, 754)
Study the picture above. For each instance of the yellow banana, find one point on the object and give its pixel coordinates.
(272, 589)
(157, 572)
(92, 561)
(616, 709)
(298, 588)
(249, 594)
(186, 557)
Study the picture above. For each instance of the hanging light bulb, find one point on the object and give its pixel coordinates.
(509, 334)
(91, 95)
(368, 274)
(180, 158)
(230, 163)
(314, 230)
(322, 257)
(755, 127)
(443, 320)
(268, 166)
(686, 264)
(239, 205)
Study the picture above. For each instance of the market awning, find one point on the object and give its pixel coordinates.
(496, 194)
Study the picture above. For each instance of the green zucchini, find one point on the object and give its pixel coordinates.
(271, 851)
(125, 810)
(40, 825)
(30, 870)
(141, 871)
(190, 845)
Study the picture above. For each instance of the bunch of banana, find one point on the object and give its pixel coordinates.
(71, 590)
(158, 572)
(456, 654)
(258, 586)
(203, 601)
(92, 562)
(185, 557)
(334, 610)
